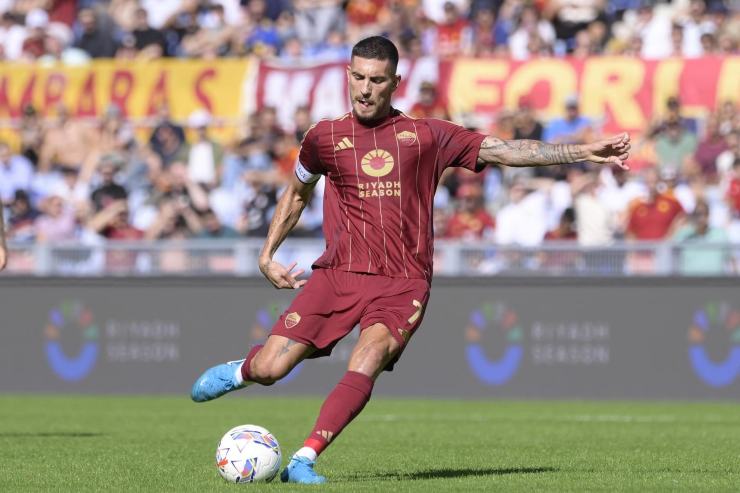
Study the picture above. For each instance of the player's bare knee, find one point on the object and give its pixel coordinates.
(266, 371)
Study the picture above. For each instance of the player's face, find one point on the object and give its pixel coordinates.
(371, 83)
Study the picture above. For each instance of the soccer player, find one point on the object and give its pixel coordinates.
(382, 168)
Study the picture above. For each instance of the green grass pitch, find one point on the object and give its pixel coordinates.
(62, 443)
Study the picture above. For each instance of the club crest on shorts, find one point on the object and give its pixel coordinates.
(292, 319)
(406, 137)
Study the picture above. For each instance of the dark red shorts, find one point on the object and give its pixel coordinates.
(332, 302)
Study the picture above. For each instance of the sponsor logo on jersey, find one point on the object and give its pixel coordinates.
(406, 137)
(377, 162)
(292, 319)
(345, 143)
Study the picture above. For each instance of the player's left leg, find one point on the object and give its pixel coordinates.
(375, 349)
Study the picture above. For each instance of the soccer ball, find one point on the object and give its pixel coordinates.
(248, 454)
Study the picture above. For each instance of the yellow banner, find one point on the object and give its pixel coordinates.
(137, 88)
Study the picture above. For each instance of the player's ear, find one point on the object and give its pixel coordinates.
(396, 81)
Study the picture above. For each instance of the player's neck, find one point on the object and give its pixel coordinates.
(389, 112)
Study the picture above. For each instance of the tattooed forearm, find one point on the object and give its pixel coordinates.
(528, 152)
(286, 347)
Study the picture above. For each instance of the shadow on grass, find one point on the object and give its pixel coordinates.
(452, 473)
(49, 434)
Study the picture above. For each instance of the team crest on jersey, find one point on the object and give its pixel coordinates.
(377, 162)
(292, 319)
(406, 137)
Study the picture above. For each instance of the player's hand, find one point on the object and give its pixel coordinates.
(614, 150)
(280, 276)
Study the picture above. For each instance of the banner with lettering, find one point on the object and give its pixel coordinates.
(137, 88)
(620, 92)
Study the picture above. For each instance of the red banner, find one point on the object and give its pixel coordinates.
(622, 93)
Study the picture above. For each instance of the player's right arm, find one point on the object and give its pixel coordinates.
(288, 211)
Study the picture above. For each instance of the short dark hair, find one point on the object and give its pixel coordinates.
(377, 48)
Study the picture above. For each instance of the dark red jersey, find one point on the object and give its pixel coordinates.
(380, 184)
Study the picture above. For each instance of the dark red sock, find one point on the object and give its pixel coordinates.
(340, 407)
(248, 360)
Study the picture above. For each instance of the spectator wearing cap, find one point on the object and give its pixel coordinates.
(97, 42)
(205, 154)
(428, 105)
(37, 22)
(16, 173)
(470, 221)
(574, 128)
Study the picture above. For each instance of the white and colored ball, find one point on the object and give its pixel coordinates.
(248, 454)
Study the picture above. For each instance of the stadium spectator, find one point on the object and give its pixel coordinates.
(16, 173)
(109, 190)
(208, 226)
(57, 221)
(703, 249)
(523, 220)
(453, 36)
(12, 36)
(673, 147)
(617, 191)
(694, 25)
(470, 221)
(93, 39)
(315, 19)
(530, 26)
(709, 148)
(574, 128)
(66, 142)
(569, 18)
(566, 228)
(483, 33)
(558, 261)
(428, 104)
(593, 219)
(204, 155)
(656, 216)
(22, 218)
(147, 39)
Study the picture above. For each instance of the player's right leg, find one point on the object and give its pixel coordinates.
(264, 365)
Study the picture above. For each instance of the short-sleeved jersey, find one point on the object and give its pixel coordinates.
(653, 220)
(380, 185)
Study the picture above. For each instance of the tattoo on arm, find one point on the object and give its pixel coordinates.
(286, 347)
(526, 152)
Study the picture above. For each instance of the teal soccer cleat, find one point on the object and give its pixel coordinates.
(300, 470)
(216, 381)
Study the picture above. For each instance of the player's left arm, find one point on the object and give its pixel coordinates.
(524, 152)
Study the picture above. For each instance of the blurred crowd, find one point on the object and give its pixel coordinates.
(323, 30)
(83, 180)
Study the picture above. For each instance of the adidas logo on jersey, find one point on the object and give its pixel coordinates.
(345, 143)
